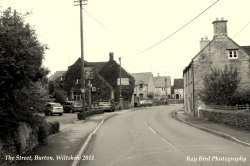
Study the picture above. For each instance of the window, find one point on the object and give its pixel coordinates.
(141, 86)
(163, 89)
(233, 54)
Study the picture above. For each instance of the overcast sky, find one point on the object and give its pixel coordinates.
(129, 27)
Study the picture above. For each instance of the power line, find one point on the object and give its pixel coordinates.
(241, 29)
(96, 20)
(174, 31)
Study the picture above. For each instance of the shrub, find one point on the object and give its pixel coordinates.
(219, 86)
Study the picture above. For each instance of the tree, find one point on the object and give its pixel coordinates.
(22, 77)
(151, 95)
(219, 86)
(60, 96)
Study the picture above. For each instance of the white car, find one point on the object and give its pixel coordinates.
(53, 108)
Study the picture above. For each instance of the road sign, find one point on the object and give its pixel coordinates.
(89, 73)
(83, 90)
(124, 81)
(93, 89)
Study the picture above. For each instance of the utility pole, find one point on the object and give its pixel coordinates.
(81, 3)
(120, 87)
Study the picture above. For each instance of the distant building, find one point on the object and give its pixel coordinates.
(217, 53)
(162, 86)
(178, 89)
(56, 75)
(144, 85)
(104, 85)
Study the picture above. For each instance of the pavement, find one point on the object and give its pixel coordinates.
(67, 146)
(234, 134)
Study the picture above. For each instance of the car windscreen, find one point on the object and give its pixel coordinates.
(104, 103)
(56, 104)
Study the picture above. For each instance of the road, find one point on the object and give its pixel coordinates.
(151, 137)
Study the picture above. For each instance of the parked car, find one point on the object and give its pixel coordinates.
(73, 106)
(145, 103)
(107, 106)
(53, 108)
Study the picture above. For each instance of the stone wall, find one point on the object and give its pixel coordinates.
(24, 140)
(238, 119)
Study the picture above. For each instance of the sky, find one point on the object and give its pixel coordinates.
(128, 28)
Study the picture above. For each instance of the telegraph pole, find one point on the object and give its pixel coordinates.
(81, 3)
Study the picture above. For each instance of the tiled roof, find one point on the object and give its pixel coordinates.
(246, 48)
(56, 75)
(97, 65)
(159, 81)
(178, 83)
(144, 77)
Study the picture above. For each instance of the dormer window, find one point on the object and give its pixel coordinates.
(232, 54)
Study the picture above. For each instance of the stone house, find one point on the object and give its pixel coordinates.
(221, 51)
(144, 85)
(178, 89)
(103, 85)
(162, 86)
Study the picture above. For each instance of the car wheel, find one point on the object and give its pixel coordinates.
(60, 114)
(71, 111)
(49, 113)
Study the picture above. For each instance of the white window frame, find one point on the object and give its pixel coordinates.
(233, 54)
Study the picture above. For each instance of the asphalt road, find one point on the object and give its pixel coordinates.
(151, 137)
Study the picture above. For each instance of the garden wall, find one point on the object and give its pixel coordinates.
(23, 141)
(239, 119)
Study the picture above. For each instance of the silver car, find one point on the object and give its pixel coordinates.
(53, 108)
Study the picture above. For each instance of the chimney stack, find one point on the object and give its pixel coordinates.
(204, 42)
(220, 27)
(111, 56)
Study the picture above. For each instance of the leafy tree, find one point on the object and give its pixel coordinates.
(151, 95)
(219, 86)
(22, 77)
(60, 96)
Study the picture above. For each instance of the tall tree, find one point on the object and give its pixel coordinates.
(219, 86)
(22, 77)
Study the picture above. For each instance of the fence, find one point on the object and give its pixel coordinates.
(225, 107)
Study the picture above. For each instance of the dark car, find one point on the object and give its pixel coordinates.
(53, 108)
(107, 106)
(72, 106)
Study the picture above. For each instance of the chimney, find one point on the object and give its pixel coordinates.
(158, 74)
(204, 42)
(111, 56)
(220, 27)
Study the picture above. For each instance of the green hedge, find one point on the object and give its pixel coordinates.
(90, 113)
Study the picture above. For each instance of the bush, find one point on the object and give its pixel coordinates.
(23, 78)
(53, 127)
(240, 98)
(219, 86)
(60, 96)
(42, 135)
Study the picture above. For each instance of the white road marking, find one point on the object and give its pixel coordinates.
(75, 163)
(164, 139)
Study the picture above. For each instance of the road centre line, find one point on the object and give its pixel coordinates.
(164, 139)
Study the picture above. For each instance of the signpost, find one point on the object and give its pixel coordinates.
(124, 81)
(89, 75)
